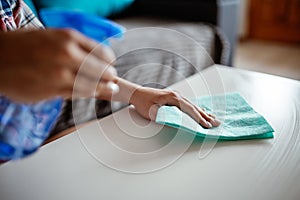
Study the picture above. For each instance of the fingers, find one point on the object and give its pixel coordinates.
(97, 63)
(90, 62)
(81, 53)
(204, 119)
(103, 52)
(208, 117)
(107, 89)
(197, 114)
(97, 69)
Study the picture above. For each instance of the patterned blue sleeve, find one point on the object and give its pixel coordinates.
(23, 128)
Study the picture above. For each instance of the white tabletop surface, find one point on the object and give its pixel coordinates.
(124, 157)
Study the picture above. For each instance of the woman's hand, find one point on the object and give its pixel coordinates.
(40, 64)
(148, 100)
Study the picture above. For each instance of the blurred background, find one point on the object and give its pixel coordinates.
(258, 35)
(269, 37)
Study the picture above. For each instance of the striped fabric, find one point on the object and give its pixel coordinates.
(15, 14)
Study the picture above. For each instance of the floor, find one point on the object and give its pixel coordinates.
(269, 57)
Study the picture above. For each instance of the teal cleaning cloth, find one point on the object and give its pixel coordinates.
(239, 119)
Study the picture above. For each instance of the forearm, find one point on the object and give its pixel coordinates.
(125, 93)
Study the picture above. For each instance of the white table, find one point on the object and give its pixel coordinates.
(79, 166)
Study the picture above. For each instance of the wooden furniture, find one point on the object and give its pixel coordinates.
(102, 160)
(275, 20)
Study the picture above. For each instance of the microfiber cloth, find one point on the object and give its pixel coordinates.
(239, 119)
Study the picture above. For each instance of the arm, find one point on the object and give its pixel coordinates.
(41, 64)
(148, 100)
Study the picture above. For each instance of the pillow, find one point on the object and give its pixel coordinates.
(102, 8)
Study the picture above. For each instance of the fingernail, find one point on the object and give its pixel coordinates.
(208, 125)
(215, 122)
(96, 93)
(114, 87)
(113, 71)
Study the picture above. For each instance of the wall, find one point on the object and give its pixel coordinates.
(244, 17)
